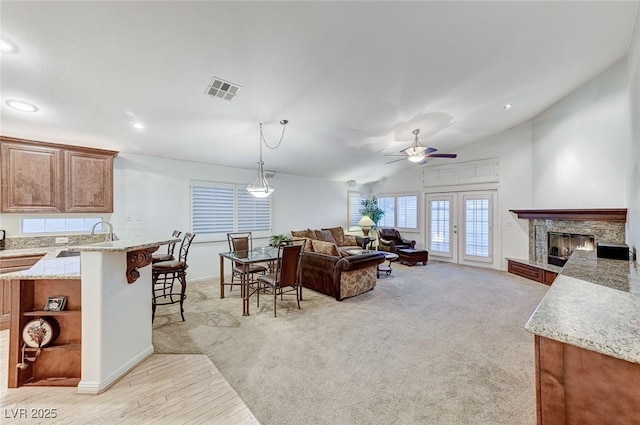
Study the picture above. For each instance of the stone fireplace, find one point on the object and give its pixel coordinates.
(561, 245)
(604, 225)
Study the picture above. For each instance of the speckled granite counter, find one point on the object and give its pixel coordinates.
(53, 267)
(593, 304)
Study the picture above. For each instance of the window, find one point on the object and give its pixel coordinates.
(440, 215)
(477, 227)
(220, 208)
(58, 225)
(354, 199)
(399, 211)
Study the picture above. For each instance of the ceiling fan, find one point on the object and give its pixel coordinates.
(419, 153)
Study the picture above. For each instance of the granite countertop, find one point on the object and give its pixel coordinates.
(53, 266)
(593, 304)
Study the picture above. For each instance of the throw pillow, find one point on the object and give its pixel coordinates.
(300, 233)
(326, 236)
(338, 234)
(350, 240)
(308, 247)
(325, 247)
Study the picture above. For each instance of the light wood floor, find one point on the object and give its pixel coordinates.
(165, 389)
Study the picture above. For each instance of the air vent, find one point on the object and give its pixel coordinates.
(222, 89)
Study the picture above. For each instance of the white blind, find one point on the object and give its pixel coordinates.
(220, 208)
(407, 212)
(354, 200)
(477, 227)
(440, 225)
(387, 204)
(253, 213)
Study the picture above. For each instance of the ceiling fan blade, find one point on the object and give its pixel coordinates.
(429, 150)
(442, 155)
(395, 160)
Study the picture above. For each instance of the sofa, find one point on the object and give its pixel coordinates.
(390, 240)
(330, 269)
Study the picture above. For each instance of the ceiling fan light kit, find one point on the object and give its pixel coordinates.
(260, 187)
(419, 153)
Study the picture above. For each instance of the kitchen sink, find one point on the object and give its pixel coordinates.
(68, 254)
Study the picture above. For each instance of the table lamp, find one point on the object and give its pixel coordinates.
(366, 223)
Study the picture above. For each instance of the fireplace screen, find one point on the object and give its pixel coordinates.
(561, 245)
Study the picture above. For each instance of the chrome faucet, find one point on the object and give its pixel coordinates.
(93, 229)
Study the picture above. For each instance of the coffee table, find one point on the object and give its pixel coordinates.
(412, 256)
(386, 267)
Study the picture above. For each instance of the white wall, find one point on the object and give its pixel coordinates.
(153, 194)
(582, 146)
(633, 231)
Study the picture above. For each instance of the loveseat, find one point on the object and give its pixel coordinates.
(331, 269)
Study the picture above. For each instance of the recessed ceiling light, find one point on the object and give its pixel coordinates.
(508, 106)
(21, 105)
(7, 46)
(138, 125)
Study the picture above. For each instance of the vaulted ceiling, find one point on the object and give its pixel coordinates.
(353, 78)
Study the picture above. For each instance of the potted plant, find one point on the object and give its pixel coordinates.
(370, 208)
(275, 240)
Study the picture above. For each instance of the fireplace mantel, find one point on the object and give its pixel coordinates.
(617, 215)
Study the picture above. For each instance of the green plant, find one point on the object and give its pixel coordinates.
(275, 240)
(370, 208)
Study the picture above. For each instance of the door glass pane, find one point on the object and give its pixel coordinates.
(440, 225)
(476, 227)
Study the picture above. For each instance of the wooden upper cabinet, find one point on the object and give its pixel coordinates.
(31, 178)
(48, 177)
(88, 182)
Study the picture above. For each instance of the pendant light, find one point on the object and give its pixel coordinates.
(259, 187)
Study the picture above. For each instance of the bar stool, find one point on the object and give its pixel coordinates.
(164, 275)
(157, 257)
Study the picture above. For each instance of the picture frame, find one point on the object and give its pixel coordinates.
(56, 303)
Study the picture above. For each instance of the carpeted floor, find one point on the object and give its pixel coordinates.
(441, 344)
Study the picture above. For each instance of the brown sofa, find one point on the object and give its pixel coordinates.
(340, 277)
(328, 266)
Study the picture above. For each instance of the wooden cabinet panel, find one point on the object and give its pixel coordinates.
(582, 387)
(11, 264)
(88, 182)
(31, 178)
(531, 272)
(549, 277)
(48, 177)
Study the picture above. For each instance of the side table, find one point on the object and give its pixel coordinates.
(386, 267)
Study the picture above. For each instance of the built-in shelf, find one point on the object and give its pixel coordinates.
(53, 382)
(38, 313)
(618, 215)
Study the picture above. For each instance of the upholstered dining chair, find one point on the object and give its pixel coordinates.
(165, 273)
(242, 242)
(168, 256)
(286, 278)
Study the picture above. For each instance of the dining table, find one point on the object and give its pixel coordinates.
(244, 259)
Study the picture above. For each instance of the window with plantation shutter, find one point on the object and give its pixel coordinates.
(221, 208)
(355, 204)
(400, 211)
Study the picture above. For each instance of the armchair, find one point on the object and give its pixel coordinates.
(390, 240)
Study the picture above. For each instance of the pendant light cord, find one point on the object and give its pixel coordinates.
(262, 139)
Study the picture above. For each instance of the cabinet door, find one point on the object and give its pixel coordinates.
(31, 178)
(89, 182)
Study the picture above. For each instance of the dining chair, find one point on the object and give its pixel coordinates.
(242, 242)
(168, 256)
(164, 275)
(286, 278)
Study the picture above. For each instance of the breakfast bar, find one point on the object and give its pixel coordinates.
(105, 329)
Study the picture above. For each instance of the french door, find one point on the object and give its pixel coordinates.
(460, 226)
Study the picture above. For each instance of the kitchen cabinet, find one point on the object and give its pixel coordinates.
(582, 387)
(48, 177)
(7, 265)
(58, 364)
(31, 178)
(88, 182)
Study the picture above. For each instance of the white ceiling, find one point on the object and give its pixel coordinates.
(353, 78)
